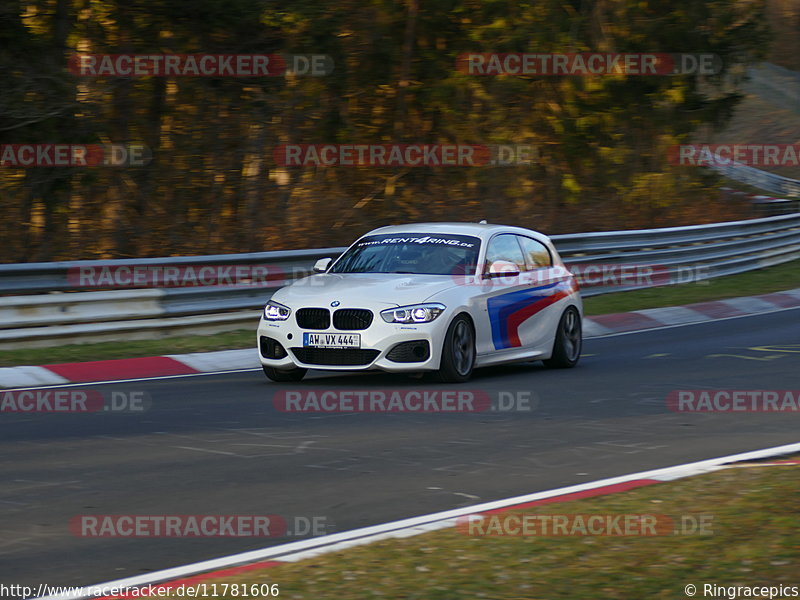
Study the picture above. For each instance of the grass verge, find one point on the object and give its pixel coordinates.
(753, 541)
(764, 281)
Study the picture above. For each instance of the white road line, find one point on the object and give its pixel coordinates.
(111, 381)
(294, 551)
(205, 450)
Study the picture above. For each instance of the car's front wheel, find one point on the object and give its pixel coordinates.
(568, 342)
(284, 376)
(458, 352)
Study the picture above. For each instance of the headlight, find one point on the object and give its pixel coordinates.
(415, 313)
(275, 311)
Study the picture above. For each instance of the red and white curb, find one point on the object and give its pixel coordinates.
(237, 360)
(130, 368)
(297, 551)
(692, 313)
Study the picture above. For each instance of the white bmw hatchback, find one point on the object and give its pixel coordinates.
(438, 297)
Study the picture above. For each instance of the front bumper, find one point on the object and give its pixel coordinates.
(377, 342)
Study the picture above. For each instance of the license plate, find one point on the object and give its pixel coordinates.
(332, 340)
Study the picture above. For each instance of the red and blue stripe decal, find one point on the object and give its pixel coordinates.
(508, 311)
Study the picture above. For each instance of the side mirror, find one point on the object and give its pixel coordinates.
(322, 265)
(502, 268)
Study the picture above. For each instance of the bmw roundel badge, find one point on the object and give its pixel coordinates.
(335, 303)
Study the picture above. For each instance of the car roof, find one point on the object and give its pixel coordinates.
(481, 230)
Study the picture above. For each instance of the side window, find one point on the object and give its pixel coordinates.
(504, 247)
(536, 253)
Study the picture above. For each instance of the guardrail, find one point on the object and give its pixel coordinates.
(780, 87)
(32, 318)
(24, 278)
(770, 182)
(763, 206)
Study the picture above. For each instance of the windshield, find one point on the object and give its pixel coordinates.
(415, 253)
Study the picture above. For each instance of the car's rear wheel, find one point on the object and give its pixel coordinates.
(283, 376)
(568, 342)
(458, 352)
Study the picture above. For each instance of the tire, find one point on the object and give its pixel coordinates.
(568, 342)
(284, 376)
(458, 352)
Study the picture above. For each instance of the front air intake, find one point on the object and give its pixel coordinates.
(313, 318)
(350, 319)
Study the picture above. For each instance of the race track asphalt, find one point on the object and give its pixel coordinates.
(214, 444)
